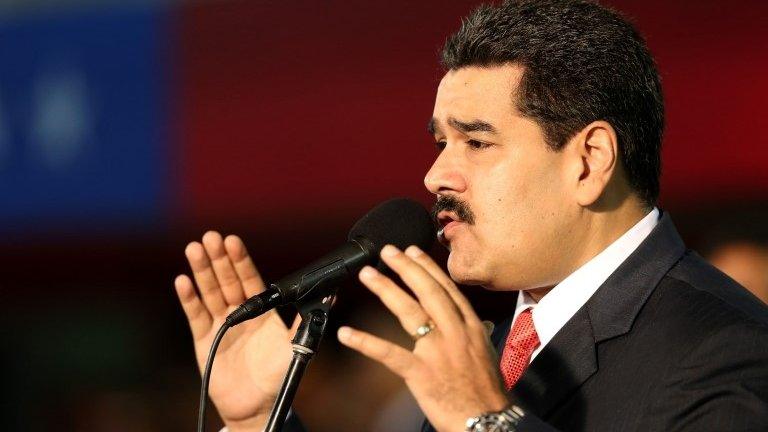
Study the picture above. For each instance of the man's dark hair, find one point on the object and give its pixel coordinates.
(582, 62)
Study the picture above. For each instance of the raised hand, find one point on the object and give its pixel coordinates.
(452, 370)
(253, 356)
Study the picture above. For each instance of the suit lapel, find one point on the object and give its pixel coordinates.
(570, 358)
(562, 366)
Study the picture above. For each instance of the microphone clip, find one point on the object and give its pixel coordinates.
(314, 310)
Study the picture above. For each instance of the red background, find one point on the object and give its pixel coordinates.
(319, 111)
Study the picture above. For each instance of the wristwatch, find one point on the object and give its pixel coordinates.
(501, 421)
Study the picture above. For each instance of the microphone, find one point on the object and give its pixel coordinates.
(401, 222)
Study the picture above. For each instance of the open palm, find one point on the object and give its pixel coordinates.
(253, 356)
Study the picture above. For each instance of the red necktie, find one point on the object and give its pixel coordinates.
(521, 343)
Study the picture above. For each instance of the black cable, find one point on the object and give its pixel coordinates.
(207, 376)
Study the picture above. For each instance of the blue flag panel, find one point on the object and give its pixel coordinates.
(83, 135)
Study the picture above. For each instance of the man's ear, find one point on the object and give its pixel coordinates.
(596, 158)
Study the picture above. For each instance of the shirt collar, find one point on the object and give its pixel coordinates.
(554, 310)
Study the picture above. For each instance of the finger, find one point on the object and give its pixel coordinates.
(225, 273)
(399, 360)
(244, 267)
(431, 295)
(200, 320)
(434, 270)
(205, 279)
(407, 310)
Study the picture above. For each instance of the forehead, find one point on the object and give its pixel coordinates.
(478, 93)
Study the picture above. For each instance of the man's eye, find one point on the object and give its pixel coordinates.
(440, 145)
(477, 145)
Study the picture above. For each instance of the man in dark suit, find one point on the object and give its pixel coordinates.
(666, 343)
(548, 124)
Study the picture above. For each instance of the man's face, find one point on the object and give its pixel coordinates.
(497, 163)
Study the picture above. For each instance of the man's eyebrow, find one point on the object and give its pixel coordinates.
(432, 126)
(472, 126)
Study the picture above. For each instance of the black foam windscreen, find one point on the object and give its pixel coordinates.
(400, 222)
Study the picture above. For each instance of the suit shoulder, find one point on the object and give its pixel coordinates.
(702, 288)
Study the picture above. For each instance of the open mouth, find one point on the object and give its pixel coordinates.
(445, 221)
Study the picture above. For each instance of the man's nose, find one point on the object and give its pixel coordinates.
(445, 175)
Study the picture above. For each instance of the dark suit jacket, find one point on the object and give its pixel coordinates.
(667, 343)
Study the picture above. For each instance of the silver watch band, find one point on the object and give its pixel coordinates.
(501, 421)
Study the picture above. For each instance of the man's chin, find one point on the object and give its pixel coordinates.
(471, 275)
(469, 282)
(463, 275)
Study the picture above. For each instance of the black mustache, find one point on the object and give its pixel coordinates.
(455, 205)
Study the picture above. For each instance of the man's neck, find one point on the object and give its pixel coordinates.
(598, 231)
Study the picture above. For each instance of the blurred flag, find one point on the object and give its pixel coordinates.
(83, 119)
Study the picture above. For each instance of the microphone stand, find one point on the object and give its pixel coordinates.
(314, 317)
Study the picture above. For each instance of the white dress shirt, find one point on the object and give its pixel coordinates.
(560, 304)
